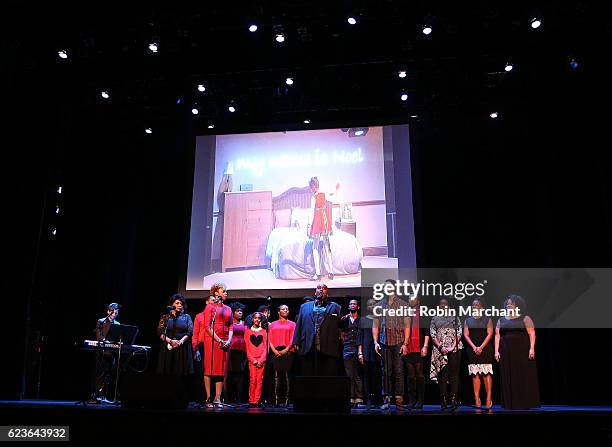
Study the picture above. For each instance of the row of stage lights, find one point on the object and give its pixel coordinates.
(280, 37)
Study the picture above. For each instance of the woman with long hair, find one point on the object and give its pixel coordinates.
(515, 339)
(478, 334)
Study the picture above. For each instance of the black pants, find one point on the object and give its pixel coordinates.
(233, 388)
(373, 382)
(318, 364)
(413, 363)
(353, 370)
(393, 367)
(104, 375)
(450, 373)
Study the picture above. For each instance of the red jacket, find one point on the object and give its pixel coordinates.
(199, 331)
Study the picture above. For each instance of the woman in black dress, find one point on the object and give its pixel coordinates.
(175, 330)
(515, 351)
(478, 333)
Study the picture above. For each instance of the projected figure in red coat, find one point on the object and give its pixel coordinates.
(216, 342)
(320, 229)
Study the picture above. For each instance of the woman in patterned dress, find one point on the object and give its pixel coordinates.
(478, 334)
(446, 354)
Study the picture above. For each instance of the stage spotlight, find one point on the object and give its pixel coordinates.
(201, 88)
(280, 38)
(211, 126)
(573, 63)
(53, 231)
(536, 23)
(509, 67)
(358, 132)
(289, 81)
(194, 110)
(232, 109)
(352, 20)
(306, 121)
(494, 115)
(104, 94)
(402, 74)
(148, 130)
(253, 28)
(59, 189)
(427, 29)
(404, 97)
(153, 47)
(62, 54)
(57, 209)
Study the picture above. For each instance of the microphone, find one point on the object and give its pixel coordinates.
(170, 308)
(218, 299)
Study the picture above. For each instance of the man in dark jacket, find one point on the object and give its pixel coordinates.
(317, 335)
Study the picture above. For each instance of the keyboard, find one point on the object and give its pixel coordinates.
(96, 345)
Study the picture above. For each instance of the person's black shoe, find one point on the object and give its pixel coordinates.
(454, 403)
(443, 403)
(418, 406)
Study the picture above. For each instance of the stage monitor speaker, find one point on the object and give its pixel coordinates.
(153, 391)
(322, 394)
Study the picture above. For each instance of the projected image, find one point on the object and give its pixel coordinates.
(290, 208)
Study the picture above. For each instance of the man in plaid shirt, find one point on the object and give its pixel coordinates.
(391, 340)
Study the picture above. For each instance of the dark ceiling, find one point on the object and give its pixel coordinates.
(341, 72)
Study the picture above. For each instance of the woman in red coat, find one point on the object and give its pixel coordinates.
(216, 341)
(197, 345)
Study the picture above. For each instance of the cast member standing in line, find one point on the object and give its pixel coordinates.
(320, 229)
(237, 357)
(350, 330)
(413, 361)
(175, 330)
(369, 358)
(391, 339)
(197, 346)
(446, 354)
(515, 339)
(280, 335)
(478, 334)
(317, 335)
(217, 342)
(256, 349)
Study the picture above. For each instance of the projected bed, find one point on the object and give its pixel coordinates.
(289, 249)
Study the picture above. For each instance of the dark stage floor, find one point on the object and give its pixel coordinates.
(96, 422)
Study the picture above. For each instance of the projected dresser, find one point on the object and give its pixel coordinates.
(246, 227)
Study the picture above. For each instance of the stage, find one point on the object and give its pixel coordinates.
(90, 423)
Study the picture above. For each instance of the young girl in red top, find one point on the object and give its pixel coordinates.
(256, 348)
